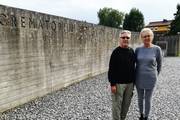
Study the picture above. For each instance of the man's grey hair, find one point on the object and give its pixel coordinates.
(125, 31)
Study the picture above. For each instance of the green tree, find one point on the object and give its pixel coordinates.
(126, 22)
(110, 17)
(175, 24)
(134, 21)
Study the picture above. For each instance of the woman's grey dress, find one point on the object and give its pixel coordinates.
(148, 66)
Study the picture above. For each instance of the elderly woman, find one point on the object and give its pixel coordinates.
(148, 67)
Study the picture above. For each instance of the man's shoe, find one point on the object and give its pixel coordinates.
(123, 118)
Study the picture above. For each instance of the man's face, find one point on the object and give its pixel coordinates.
(124, 40)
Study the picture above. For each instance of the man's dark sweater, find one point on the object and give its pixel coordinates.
(122, 66)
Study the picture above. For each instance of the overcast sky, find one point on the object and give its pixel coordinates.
(86, 10)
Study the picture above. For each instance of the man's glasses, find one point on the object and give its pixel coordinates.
(125, 37)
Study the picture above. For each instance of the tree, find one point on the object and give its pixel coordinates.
(110, 17)
(134, 21)
(175, 24)
(126, 22)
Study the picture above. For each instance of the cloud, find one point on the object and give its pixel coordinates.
(156, 10)
(86, 10)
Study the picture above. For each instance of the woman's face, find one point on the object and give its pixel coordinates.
(146, 38)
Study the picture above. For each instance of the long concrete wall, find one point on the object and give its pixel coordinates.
(41, 53)
(170, 44)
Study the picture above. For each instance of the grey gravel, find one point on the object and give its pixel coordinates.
(91, 100)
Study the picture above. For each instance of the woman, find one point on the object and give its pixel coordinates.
(148, 67)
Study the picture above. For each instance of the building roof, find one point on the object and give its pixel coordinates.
(159, 23)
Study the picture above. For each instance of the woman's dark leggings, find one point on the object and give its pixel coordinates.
(144, 101)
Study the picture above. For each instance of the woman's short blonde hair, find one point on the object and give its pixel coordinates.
(147, 30)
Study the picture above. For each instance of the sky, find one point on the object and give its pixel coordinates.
(86, 10)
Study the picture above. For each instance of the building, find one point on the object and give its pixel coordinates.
(160, 27)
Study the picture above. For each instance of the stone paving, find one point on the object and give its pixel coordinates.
(91, 100)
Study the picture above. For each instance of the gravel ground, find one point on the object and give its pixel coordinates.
(91, 100)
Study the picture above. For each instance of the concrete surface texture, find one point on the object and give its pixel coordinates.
(91, 100)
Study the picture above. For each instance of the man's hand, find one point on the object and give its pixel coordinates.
(113, 89)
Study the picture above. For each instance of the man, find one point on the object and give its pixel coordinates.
(121, 76)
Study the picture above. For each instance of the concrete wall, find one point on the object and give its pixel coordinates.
(41, 53)
(169, 44)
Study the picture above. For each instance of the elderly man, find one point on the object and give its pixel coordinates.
(121, 76)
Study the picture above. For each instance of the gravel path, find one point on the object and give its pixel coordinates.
(91, 100)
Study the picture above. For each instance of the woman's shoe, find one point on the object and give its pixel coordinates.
(141, 117)
(145, 118)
